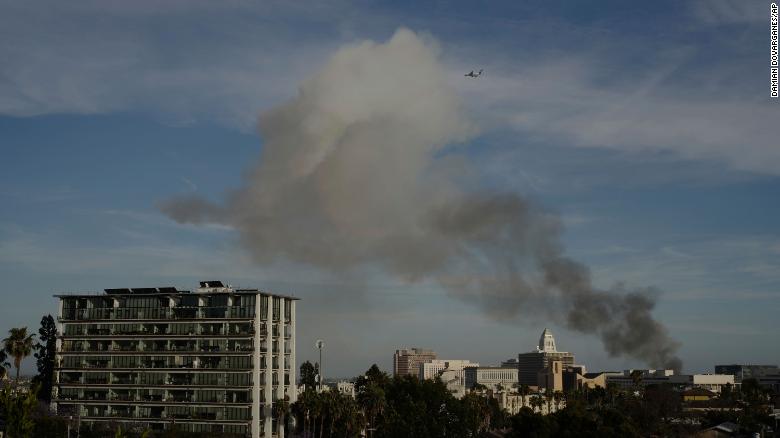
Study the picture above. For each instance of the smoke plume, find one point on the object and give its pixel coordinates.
(354, 173)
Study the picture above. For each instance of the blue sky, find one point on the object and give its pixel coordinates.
(647, 126)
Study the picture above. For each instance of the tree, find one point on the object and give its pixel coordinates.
(120, 433)
(18, 409)
(281, 411)
(18, 345)
(46, 351)
(559, 399)
(726, 392)
(370, 394)
(308, 375)
(3, 363)
(536, 402)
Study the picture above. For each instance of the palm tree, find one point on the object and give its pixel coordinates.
(282, 408)
(18, 345)
(559, 398)
(372, 398)
(536, 402)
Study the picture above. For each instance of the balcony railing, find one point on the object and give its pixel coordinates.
(164, 313)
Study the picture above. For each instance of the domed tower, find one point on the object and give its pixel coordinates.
(547, 342)
(530, 364)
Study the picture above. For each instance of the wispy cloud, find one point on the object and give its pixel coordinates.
(183, 60)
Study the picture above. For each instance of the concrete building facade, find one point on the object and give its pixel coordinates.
(213, 360)
(406, 361)
(493, 378)
(512, 403)
(433, 369)
(576, 377)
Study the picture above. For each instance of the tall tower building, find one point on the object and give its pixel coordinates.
(406, 362)
(530, 364)
(212, 361)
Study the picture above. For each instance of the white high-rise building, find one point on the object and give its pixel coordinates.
(212, 361)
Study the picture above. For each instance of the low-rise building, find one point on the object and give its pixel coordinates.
(697, 394)
(494, 378)
(512, 402)
(770, 381)
(741, 372)
(346, 388)
(712, 382)
(627, 379)
(576, 378)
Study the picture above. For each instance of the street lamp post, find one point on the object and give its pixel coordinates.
(320, 345)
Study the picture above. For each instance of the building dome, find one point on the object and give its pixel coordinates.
(547, 342)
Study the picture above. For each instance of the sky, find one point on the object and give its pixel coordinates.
(647, 127)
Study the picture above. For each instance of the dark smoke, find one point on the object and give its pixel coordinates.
(354, 174)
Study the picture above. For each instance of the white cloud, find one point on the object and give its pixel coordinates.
(578, 101)
(182, 60)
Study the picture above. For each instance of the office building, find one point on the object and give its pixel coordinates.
(530, 364)
(212, 361)
(550, 378)
(433, 369)
(512, 403)
(576, 377)
(493, 378)
(406, 362)
(631, 378)
(711, 382)
(451, 372)
(741, 372)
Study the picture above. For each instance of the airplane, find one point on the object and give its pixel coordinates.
(471, 74)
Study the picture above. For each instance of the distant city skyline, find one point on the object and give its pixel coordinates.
(663, 177)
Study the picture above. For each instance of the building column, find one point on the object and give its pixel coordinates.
(269, 382)
(280, 370)
(256, 386)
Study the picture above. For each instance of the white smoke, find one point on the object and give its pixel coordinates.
(354, 173)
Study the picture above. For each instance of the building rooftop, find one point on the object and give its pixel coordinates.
(205, 287)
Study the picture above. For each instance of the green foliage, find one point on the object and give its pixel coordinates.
(308, 375)
(46, 351)
(572, 422)
(391, 407)
(119, 433)
(3, 363)
(18, 410)
(18, 345)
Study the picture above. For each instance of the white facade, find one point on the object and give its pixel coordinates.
(213, 361)
(710, 382)
(346, 388)
(491, 377)
(432, 369)
(451, 372)
(513, 402)
(546, 342)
